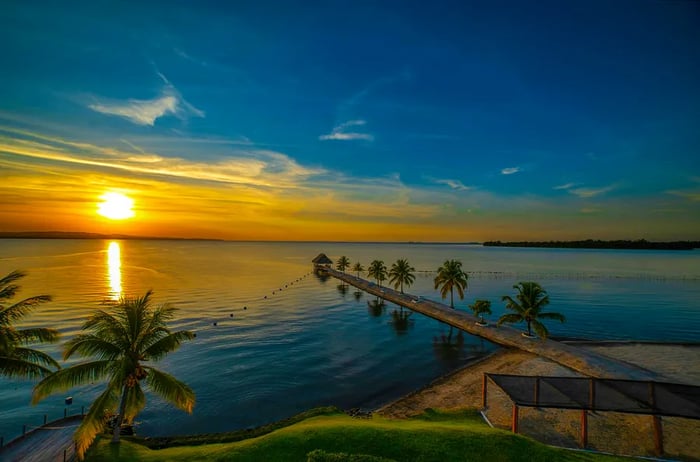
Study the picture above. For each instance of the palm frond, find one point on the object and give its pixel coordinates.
(170, 389)
(95, 420)
(135, 402)
(539, 328)
(91, 345)
(167, 344)
(20, 309)
(510, 318)
(35, 356)
(558, 316)
(12, 367)
(37, 335)
(64, 379)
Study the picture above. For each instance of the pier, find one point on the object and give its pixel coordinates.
(578, 359)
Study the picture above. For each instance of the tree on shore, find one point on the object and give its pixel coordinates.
(358, 268)
(450, 277)
(401, 273)
(342, 263)
(17, 360)
(119, 343)
(377, 270)
(480, 308)
(527, 307)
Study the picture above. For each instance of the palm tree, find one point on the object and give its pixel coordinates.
(342, 263)
(401, 273)
(531, 299)
(123, 344)
(16, 359)
(377, 270)
(480, 308)
(451, 276)
(358, 268)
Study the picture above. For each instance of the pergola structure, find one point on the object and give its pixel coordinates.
(598, 394)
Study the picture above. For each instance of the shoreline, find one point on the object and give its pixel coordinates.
(629, 434)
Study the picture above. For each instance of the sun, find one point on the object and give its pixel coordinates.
(115, 206)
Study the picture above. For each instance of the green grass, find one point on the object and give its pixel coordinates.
(434, 436)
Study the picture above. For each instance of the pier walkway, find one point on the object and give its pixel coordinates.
(579, 359)
(52, 442)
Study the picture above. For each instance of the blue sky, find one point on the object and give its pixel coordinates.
(376, 120)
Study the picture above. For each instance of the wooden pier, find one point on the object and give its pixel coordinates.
(578, 359)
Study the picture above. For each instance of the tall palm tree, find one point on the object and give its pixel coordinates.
(16, 359)
(401, 273)
(358, 268)
(123, 343)
(531, 299)
(377, 270)
(449, 277)
(342, 263)
(480, 308)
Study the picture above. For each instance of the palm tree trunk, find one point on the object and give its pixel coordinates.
(120, 417)
(529, 332)
(452, 298)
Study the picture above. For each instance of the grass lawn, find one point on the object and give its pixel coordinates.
(434, 436)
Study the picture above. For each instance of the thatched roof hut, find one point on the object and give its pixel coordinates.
(322, 260)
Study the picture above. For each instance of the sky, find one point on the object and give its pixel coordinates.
(352, 120)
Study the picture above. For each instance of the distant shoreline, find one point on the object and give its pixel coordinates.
(641, 244)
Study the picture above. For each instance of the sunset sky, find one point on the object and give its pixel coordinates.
(345, 120)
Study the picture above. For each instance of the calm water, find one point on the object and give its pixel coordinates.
(310, 344)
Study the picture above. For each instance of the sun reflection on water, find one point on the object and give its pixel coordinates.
(114, 268)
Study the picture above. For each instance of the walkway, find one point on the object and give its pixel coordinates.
(584, 361)
(44, 444)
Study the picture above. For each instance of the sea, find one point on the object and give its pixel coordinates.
(274, 339)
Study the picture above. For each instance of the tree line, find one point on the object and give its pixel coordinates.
(641, 244)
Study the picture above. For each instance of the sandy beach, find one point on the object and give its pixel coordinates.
(608, 431)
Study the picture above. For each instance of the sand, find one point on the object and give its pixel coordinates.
(608, 431)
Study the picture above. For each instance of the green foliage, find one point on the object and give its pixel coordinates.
(527, 307)
(342, 263)
(436, 437)
(450, 277)
(358, 268)
(401, 273)
(480, 308)
(377, 270)
(16, 359)
(120, 341)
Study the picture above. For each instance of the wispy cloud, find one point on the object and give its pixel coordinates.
(510, 170)
(454, 184)
(691, 195)
(340, 133)
(586, 193)
(146, 112)
(565, 186)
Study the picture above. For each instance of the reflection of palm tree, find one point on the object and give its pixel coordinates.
(16, 360)
(343, 289)
(377, 270)
(401, 321)
(376, 307)
(358, 268)
(401, 273)
(342, 263)
(449, 277)
(322, 275)
(358, 295)
(531, 299)
(122, 342)
(446, 349)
